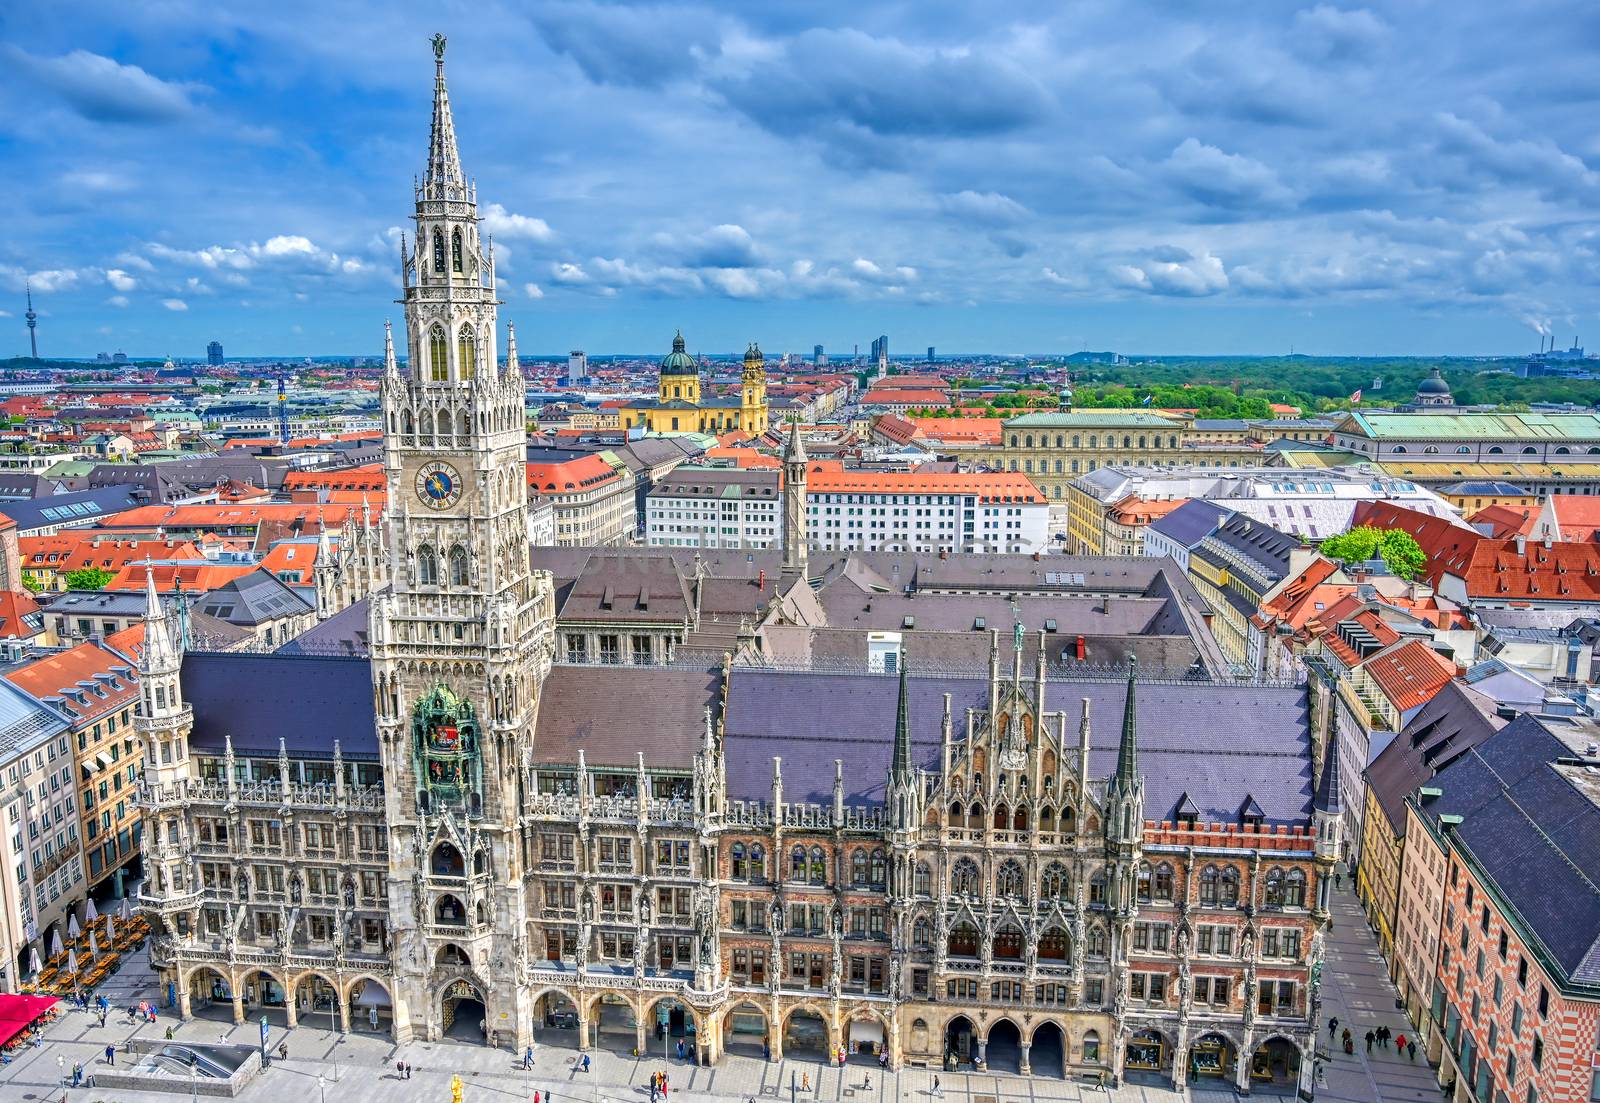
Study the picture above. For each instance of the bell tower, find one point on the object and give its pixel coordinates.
(461, 642)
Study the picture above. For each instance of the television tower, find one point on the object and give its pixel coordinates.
(33, 323)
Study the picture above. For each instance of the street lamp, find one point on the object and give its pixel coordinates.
(331, 1030)
(322, 1089)
(194, 1073)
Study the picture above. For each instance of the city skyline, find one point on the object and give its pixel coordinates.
(1336, 180)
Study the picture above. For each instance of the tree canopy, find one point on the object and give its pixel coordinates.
(1398, 549)
(88, 578)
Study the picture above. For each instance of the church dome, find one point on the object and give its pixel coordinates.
(1434, 384)
(679, 362)
(752, 355)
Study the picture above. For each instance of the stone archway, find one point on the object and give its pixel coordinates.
(317, 1001)
(866, 1037)
(673, 1025)
(1275, 1066)
(1047, 1051)
(1146, 1056)
(806, 1034)
(1212, 1056)
(209, 993)
(265, 996)
(960, 1042)
(746, 1030)
(463, 1012)
(1002, 1047)
(371, 1005)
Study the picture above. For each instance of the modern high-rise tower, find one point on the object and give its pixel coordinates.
(33, 324)
(214, 354)
(460, 646)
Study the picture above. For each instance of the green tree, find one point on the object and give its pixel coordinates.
(88, 578)
(1398, 549)
(32, 585)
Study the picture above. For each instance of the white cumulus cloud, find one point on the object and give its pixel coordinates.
(177, 305)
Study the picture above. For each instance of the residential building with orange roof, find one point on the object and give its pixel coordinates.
(368, 477)
(95, 686)
(959, 431)
(856, 510)
(20, 616)
(900, 401)
(1503, 522)
(591, 496)
(47, 560)
(1568, 517)
(1127, 520)
(192, 577)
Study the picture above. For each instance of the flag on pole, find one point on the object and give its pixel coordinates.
(1356, 398)
(1147, 400)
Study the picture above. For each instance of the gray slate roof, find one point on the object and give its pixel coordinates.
(1262, 751)
(1531, 826)
(245, 695)
(1454, 720)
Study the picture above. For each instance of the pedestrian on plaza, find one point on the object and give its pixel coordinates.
(1349, 1048)
(111, 1056)
(102, 1017)
(399, 1070)
(1333, 1026)
(409, 1070)
(938, 1092)
(866, 1085)
(585, 1062)
(1400, 1044)
(680, 1049)
(805, 1081)
(1337, 877)
(536, 1095)
(1371, 1035)
(283, 1051)
(527, 1058)
(1411, 1050)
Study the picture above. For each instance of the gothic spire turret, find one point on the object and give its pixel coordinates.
(390, 365)
(160, 644)
(900, 771)
(513, 369)
(444, 179)
(795, 535)
(1128, 748)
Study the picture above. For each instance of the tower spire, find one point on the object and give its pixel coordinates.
(444, 179)
(795, 535)
(390, 367)
(513, 369)
(1128, 749)
(900, 771)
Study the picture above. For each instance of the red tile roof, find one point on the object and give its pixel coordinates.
(570, 476)
(1410, 674)
(1503, 522)
(59, 675)
(1577, 516)
(16, 610)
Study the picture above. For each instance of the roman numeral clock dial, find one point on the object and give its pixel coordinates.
(438, 485)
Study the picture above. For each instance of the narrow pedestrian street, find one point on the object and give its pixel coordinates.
(360, 1067)
(1356, 989)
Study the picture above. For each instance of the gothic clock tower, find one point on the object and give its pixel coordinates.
(461, 644)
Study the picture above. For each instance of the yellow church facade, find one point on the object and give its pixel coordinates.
(680, 408)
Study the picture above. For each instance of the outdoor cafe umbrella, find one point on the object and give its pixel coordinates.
(73, 930)
(124, 911)
(35, 966)
(111, 928)
(89, 912)
(94, 951)
(72, 961)
(55, 943)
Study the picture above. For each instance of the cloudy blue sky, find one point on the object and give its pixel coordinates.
(1408, 177)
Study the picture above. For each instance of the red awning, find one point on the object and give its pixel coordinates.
(17, 1012)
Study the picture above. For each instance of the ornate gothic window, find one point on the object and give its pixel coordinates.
(758, 863)
(1056, 884)
(819, 866)
(458, 567)
(964, 878)
(1144, 882)
(737, 854)
(797, 864)
(963, 941)
(467, 351)
(1054, 945)
(438, 251)
(1294, 889)
(427, 567)
(1008, 943)
(1163, 882)
(1097, 941)
(455, 250)
(858, 867)
(880, 867)
(438, 355)
(922, 880)
(1097, 887)
(1229, 895)
(1009, 880)
(921, 934)
(1274, 892)
(1208, 885)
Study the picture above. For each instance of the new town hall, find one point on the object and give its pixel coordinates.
(444, 832)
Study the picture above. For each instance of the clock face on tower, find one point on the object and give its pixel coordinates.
(438, 485)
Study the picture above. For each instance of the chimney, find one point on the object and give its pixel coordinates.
(1522, 544)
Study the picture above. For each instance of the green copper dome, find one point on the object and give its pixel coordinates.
(678, 362)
